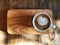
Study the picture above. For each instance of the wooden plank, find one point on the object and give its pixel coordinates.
(23, 19)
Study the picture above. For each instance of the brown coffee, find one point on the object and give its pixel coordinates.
(42, 21)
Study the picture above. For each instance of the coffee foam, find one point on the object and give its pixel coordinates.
(42, 21)
(35, 23)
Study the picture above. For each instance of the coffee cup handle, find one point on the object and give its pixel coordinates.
(53, 26)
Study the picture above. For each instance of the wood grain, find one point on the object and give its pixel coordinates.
(20, 21)
(5, 5)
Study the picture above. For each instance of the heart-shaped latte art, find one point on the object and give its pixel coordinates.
(42, 21)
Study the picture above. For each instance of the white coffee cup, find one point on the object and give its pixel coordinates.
(41, 21)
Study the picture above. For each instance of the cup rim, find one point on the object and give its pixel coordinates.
(35, 27)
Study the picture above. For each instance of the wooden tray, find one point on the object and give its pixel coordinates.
(19, 21)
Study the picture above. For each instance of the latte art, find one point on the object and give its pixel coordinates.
(42, 21)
